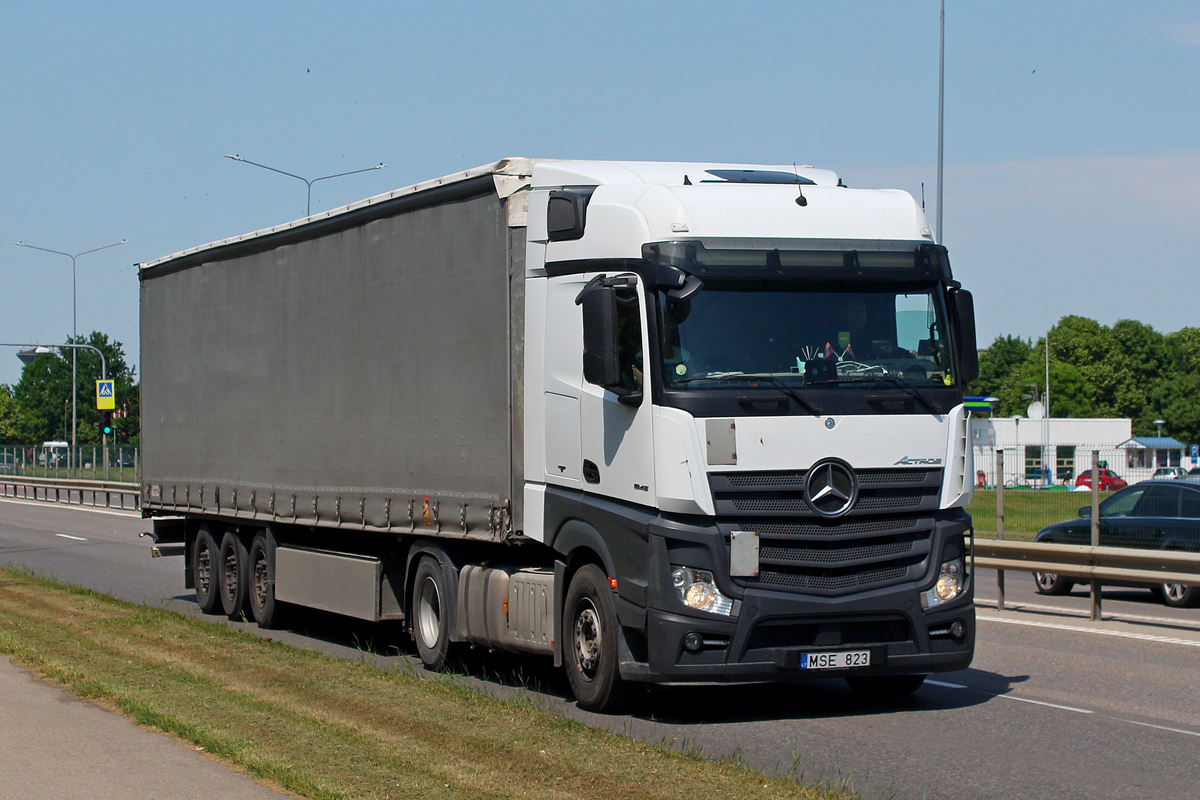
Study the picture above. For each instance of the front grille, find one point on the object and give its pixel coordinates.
(831, 583)
(883, 540)
(782, 493)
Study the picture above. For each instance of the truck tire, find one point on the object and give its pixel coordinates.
(268, 612)
(429, 596)
(1049, 583)
(589, 637)
(1177, 595)
(205, 558)
(232, 576)
(886, 687)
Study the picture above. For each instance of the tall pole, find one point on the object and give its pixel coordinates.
(308, 210)
(74, 338)
(941, 116)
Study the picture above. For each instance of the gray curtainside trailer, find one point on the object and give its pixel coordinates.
(584, 410)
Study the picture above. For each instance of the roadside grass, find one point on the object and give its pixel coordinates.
(328, 728)
(1026, 511)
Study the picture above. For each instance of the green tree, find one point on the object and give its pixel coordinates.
(44, 391)
(10, 417)
(996, 365)
(1174, 400)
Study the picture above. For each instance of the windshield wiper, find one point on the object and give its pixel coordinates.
(759, 376)
(884, 378)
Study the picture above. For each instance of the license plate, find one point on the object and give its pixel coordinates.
(842, 660)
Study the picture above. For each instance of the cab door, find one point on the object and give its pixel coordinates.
(616, 422)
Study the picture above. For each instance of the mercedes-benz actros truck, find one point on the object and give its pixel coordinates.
(660, 422)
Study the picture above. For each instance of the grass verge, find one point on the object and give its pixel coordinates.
(1026, 511)
(322, 727)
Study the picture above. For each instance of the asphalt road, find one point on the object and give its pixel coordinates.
(1054, 705)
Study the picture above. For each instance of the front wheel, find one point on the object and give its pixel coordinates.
(589, 637)
(1177, 595)
(430, 594)
(1049, 583)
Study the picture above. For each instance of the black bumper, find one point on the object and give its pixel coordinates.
(771, 630)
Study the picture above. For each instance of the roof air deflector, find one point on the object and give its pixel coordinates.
(757, 176)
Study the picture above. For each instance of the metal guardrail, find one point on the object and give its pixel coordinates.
(98, 494)
(1089, 563)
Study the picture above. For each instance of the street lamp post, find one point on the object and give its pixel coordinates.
(74, 334)
(308, 210)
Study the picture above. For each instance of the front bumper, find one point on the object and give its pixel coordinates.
(770, 634)
(770, 629)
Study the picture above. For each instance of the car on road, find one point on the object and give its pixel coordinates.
(1154, 514)
(8, 464)
(1169, 472)
(1109, 480)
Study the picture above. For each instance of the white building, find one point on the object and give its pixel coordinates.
(1039, 450)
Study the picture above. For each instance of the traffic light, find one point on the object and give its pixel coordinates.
(105, 423)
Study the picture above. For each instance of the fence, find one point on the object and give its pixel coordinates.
(86, 462)
(1147, 534)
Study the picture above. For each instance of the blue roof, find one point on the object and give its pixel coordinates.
(1153, 441)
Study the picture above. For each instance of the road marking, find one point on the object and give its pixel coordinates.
(69, 536)
(1162, 727)
(1040, 703)
(947, 685)
(1146, 637)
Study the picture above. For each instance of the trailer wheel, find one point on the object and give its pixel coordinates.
(268, 612)
(590, 641)
(205, 557)
(429, 613)
(886, 687)
(232, 576)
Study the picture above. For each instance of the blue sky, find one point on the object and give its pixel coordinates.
(1072, 130)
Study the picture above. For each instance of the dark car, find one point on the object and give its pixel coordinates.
(1109, 480)
(1154, 514)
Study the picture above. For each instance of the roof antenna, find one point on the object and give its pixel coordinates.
(801, 200)
(687, 181)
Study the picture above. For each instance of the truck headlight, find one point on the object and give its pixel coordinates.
(949, 585)
(698, 590)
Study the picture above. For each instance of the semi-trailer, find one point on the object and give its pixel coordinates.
(660, 422)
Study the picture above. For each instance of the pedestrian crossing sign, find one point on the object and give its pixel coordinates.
(105, 396)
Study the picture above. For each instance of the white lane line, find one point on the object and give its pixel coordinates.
(69, 536)
(1146, 637)
(1075, 612)
(947, 685)
(1161, 727)
(1040, 703)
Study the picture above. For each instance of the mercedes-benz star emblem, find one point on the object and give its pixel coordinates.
(831, 488)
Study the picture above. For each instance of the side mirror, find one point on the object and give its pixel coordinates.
(962, 306)
(601, 339)
(1086, 511)
(600, 362)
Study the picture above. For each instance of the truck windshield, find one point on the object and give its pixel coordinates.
(795, 333)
